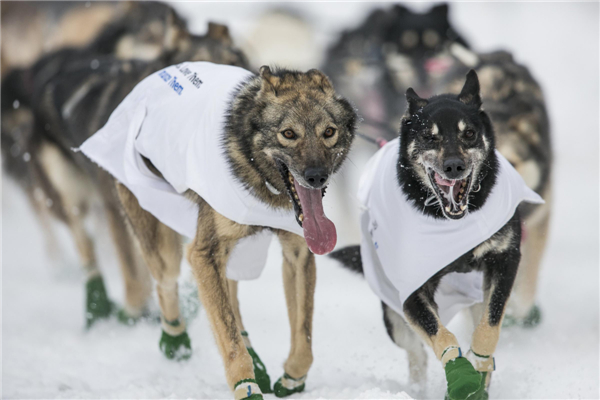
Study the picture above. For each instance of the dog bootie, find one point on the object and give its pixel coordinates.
(485, 365)
(247, 389)
(260, 371)
(531, 320)
(176, 347)
(126, 318)
(286, 385)
(97, 304)
(463, 381)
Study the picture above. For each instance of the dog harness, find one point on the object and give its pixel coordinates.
(401, 248)
(176, 119)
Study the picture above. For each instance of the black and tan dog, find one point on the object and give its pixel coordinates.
(516, 105)
(449, 206)
(287, 128)
(394, 49)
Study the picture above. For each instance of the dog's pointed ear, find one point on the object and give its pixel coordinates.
(470, 92)
(400, 10)
(321, 80)
(414, 101)
(440, 10)
(219, 33)
(269, 82)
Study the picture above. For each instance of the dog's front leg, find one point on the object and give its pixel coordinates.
(500, 270)
(208, 254)
(299, 279)
(421, 313)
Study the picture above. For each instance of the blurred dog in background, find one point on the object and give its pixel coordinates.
(71, 85)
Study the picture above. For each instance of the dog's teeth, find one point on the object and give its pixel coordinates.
(301, 217)
(295, 196)
(447, 209)
(463, 207)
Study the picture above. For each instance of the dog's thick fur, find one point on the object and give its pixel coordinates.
(127, 30)
(68, 95)
(374, 63)
(264, 107)
(433, 132)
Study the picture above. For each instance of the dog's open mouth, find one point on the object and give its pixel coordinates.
(319, 231)
(452, 194)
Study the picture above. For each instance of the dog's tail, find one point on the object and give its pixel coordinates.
(350, 258)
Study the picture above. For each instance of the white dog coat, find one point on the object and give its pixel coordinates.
(401, 248)
(175, 118)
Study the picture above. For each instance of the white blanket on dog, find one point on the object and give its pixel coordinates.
(175, 118)
(401, 248)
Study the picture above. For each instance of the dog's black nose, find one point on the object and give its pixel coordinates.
(316, 176)
(454, 167)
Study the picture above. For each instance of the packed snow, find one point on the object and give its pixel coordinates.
(46, 353)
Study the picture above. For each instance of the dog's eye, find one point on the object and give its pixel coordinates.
(329, 132)
(469, 133)
(289, 134)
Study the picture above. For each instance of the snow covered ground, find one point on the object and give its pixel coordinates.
(47, 354)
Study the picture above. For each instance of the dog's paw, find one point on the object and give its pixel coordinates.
(97, 304)
(126, 318)
(463, 381)
(260, 372)
(531, 320)
(247, 389)
(286, 385)
(176, 347)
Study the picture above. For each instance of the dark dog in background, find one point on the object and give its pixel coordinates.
(38, 100)
(389, 52)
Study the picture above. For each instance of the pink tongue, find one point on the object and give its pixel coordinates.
(319, 231)
(444, 182)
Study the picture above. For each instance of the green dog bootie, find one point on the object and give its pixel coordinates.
(286, 385)
(463, 381)
(176, 347)
(482, 393)
(126, 319)
(97, 304)
(247, 389)
(260, 371)
(534, 317)
(531, 320)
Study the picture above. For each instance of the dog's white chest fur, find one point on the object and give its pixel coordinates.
(402, 248)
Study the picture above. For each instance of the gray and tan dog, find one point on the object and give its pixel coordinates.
(287, 128)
